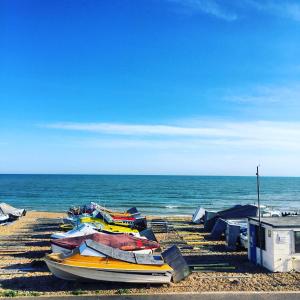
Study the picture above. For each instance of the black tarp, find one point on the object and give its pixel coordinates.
(133, 211)
(209, 220)
(232, 235)
(235, 212)
(149, 234)
(219, 229)
(140, 224)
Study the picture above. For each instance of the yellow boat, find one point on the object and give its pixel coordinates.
(66, 227)
(85, 268)
(112, 222)
(103, 226)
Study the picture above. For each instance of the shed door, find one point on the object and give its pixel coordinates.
(252, 243)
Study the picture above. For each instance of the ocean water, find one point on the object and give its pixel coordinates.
(152, 195)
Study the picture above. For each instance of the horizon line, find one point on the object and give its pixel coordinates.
(124, 174)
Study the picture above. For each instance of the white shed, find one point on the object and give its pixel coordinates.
(280, 243)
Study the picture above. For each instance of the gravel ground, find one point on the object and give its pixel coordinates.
(25, 242)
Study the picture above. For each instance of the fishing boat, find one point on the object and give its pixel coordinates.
(121, 241)
(111, 265)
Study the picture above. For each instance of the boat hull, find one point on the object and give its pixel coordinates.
(66, 251)
(75, 273)
(4, 218)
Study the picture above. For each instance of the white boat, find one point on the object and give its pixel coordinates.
(58, 249)
(106, 270)
(12, 212)
(198, 215)
(4, 218)
(82, 229)
(110, 264)
(244, 240)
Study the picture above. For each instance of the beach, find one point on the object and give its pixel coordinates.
(24, 273)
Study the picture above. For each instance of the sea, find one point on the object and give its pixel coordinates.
(152, 195)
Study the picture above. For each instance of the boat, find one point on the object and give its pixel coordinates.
(82, 229)
(132, 222)
(235, 212)
(99, 215)
(66, 227)
(198, 215)
(12, 212)
(3, 218)
(244, 238)
(110, 228)
(88, 209)
(121, 220)
(113, 265)
(269, 212)
(121, 241)
(89, 228)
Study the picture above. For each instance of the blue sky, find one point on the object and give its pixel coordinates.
(150, 87)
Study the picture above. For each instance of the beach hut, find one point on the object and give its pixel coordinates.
(278, 249)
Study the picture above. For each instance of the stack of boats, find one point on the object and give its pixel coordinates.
(107, 245)
(231, 222)
(9, 213)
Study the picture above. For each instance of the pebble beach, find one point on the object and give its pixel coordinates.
(24, 273)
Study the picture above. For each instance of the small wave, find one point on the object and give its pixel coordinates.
(171, 206)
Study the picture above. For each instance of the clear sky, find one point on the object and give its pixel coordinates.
(150, 86)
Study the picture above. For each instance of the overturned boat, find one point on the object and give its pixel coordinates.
(123, 242)
(3, 218)
(12, 212)
(110, 264)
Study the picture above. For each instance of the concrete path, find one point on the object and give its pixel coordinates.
(200, 296)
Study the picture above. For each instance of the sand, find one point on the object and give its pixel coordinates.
(25, 242)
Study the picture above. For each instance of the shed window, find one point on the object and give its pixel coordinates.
(297, 241)
(262, 236)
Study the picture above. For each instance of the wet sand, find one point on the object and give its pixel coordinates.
(24, 273)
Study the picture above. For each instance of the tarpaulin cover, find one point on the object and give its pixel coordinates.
(133, 210)
(219, 229)
(232, 236)
(149, 234)
(235, 212)
(121, 241)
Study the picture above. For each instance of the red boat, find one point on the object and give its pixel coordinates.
(123, 242)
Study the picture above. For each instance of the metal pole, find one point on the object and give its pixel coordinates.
(259, 216)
